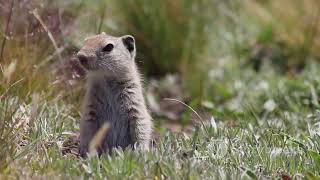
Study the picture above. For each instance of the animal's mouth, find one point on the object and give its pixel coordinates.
(84, 62)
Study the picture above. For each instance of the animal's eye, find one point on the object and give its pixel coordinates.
(108, 48)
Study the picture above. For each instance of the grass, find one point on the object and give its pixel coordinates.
(263, 124)
(292, 32)
(253, 141)
(180, 27)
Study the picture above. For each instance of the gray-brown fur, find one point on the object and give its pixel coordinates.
(114, 94)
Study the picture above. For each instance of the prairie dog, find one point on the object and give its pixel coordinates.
(114, 94)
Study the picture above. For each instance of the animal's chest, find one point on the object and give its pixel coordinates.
(112, 111)
(110, 105)
(110, 101)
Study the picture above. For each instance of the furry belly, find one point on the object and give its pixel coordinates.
(118, 135)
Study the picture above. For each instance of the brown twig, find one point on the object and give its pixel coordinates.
(6, 32)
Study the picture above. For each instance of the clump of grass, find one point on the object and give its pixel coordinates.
(8, 131)
(170, 35)
(34, 51)
(24, 49)
(289, 32)
(19, 60)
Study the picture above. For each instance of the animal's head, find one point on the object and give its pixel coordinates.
(108, 53)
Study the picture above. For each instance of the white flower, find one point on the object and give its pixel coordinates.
(270, 105)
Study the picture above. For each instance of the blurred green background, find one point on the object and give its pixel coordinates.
(184, 37)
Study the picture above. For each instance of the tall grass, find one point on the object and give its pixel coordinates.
(170, 35)
(293, 27)
(35, 48)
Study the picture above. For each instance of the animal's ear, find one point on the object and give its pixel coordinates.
(129, 43)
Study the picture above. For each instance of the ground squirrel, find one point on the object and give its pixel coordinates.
(114, 94)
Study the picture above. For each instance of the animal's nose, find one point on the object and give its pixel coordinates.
(83, 59)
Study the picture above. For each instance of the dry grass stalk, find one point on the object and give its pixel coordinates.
(98, 138)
